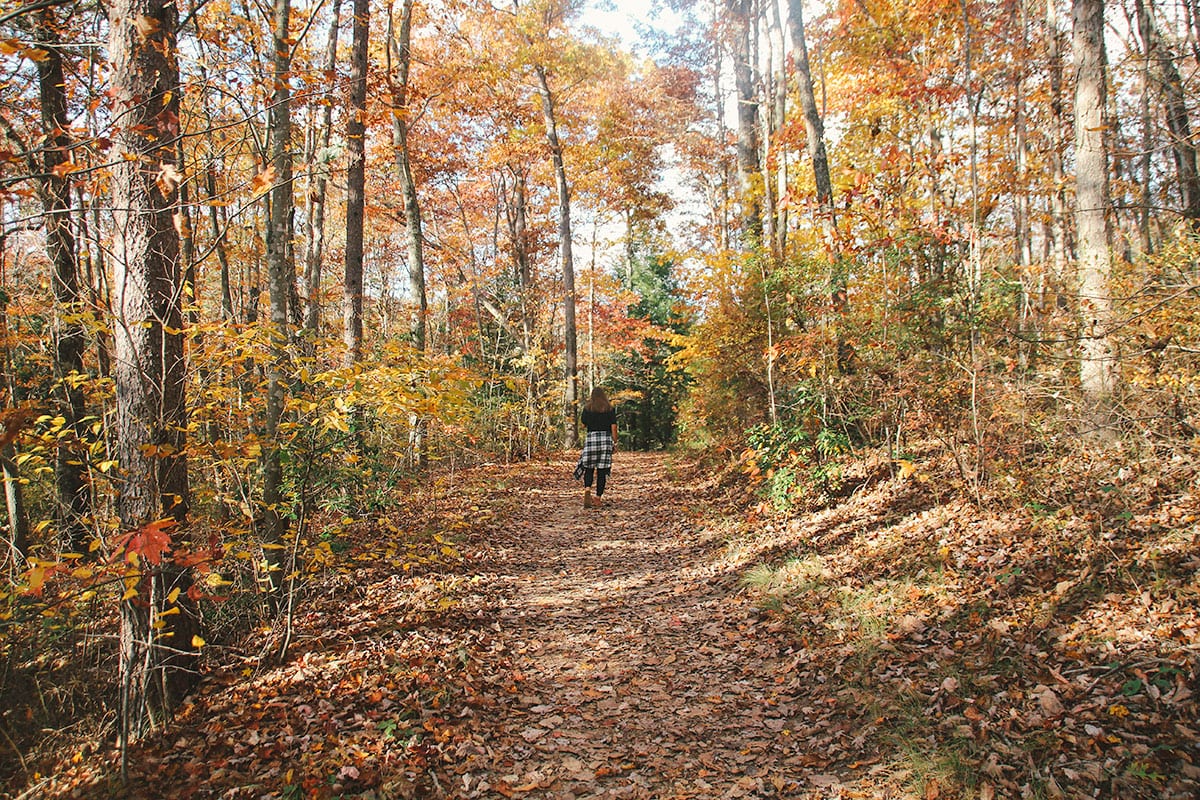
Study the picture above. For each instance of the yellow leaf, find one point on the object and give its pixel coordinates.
(907, 468)
(173, 595)
(37, 578)
(129, 594)
(197, 642)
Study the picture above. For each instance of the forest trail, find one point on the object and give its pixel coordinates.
(573, 653)
(641, 671)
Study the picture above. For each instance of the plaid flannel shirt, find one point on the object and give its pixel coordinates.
(597, 451)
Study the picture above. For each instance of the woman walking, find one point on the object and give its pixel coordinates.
(596, 459)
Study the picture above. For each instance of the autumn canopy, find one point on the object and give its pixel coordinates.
(274, 277)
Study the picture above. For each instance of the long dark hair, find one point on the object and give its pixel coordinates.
(598, 403)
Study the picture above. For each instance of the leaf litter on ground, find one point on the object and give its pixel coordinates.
(685, 643)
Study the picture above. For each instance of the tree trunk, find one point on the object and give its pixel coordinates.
(1146, 176)
(70, 469)
(1060, 244)
(1098, 366)
(778, 120)
(14, 503)
(567, 260)
(1175, 101)
(316, 213)
(814, 127)
(280, 279)
(156, 654)
(515, 213)
(747, 114)
(352, 310)
(1021, 211)
(399, 49)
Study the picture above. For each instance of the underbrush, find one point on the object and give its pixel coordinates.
(58, 657)
(1033, 636)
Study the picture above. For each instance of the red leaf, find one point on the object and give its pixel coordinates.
(150, 541)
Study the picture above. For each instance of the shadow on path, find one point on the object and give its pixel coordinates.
(639, 671)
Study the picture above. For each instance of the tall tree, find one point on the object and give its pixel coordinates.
(400, 49)
(566, 259)
(814, 126)
(747, 115)
(1058, 230)
(280, 280)
(148, 371)
(70, 338)
(1183, 147)
(315, 244)
(352, 322)
(1098, 364)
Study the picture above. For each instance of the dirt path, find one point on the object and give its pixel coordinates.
(638, 673)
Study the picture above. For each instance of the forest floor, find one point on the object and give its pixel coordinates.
(901, 643)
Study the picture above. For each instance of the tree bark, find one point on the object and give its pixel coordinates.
(1098, 365)
(777, 152)
(401, 116)
(352, 313)
(70, 469)
(316, 212)
(399, 48)
(515, 213)
(567, 260)
(280, 280)
(814, 127)
(1059, 238)
(156, 654)
(747, 114)
(1175, 100)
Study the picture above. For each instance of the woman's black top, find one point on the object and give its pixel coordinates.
(596, 421)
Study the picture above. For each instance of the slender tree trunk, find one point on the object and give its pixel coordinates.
(779, 117)
(352, 314)
(516, 214)
(218, 226)
(747, 113)
(156, 657)
(814, 127)
(399, 48)
(71, 472)
(412, 208)
(1021, 232)
(721, 200)
(1178, 121)
(14, 502)
(14, 495)
(1098, 365)
(770, 121)
(280, 276)
(316, 212)
(1059, 228)
(567, 260)
(1145, 185)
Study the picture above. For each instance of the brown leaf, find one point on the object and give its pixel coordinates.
(263, 180)
(146, 26)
